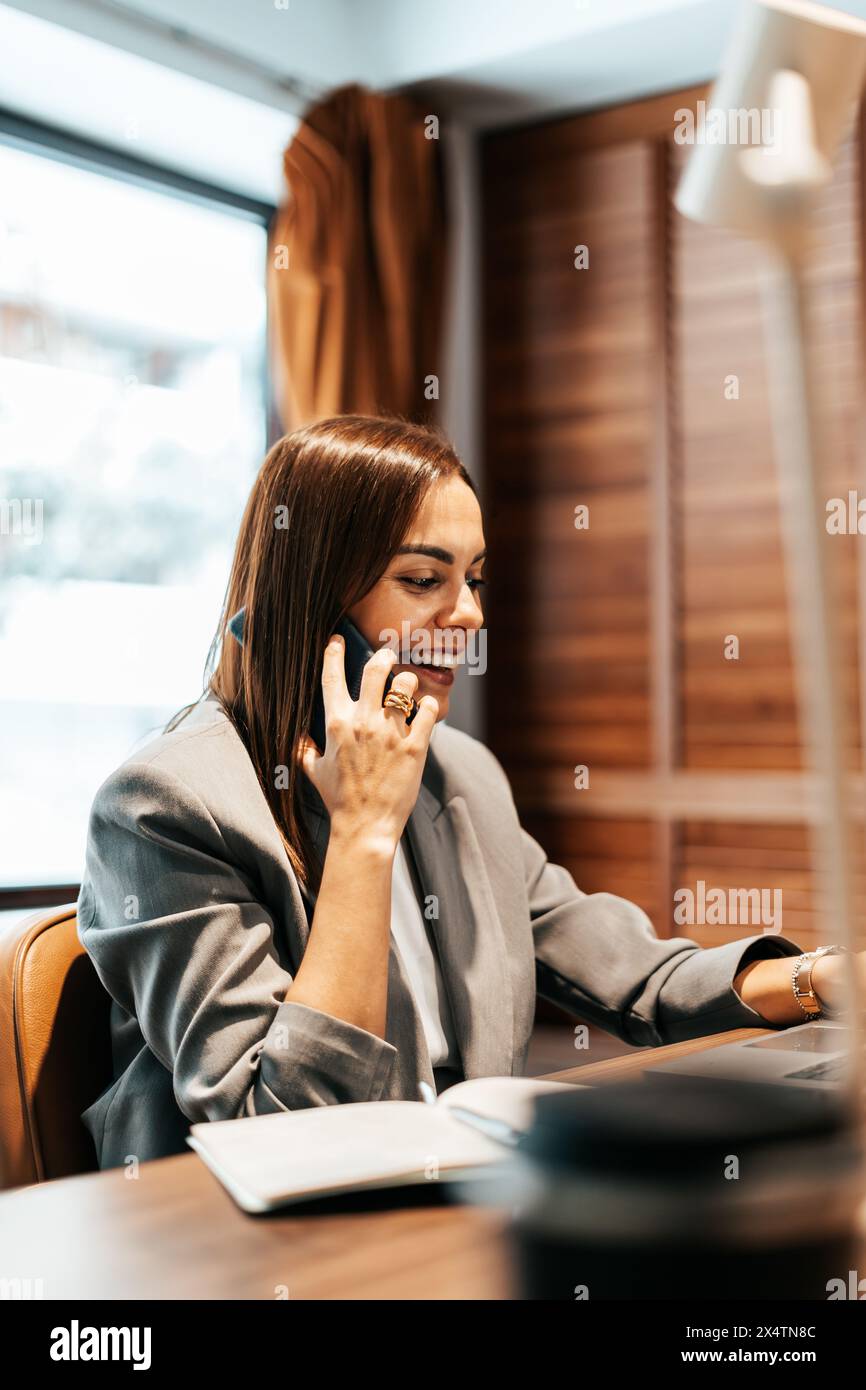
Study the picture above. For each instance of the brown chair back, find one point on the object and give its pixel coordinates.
(55, 1048)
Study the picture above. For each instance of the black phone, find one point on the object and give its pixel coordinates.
(356, 655)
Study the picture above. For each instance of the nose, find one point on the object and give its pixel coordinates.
(465, 613)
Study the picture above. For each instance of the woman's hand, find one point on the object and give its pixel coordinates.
(829, 983)
(370, 772)
(765, 985)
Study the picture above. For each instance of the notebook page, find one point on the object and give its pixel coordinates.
(508, 1098)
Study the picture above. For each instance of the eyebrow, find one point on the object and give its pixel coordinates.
(436, 553)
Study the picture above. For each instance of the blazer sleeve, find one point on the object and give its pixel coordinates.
(598, 956)
(177, 937)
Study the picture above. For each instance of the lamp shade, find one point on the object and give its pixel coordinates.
(783, 101)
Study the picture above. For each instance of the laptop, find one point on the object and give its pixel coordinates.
(812, 1055)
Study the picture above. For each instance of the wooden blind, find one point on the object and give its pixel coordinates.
(568, 378)
(743, 713)
(638, 388)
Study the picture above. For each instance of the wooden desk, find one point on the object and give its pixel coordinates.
(174, 1233)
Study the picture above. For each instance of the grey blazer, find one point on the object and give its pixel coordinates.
(195, 923)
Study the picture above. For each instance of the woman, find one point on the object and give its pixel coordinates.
(280, 927)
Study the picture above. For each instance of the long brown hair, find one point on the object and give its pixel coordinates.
(328, 510)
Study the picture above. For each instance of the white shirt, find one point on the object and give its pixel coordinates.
(418, 954)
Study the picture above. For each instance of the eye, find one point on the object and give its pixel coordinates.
(428, 581)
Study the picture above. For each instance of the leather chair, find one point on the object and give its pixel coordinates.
(55, 1048)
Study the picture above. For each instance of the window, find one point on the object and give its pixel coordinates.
(132, 422)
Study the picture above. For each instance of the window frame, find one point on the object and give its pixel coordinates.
(37, 137)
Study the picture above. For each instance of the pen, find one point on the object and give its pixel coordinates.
(496, 1129)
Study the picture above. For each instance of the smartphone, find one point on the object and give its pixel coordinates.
(357, 653)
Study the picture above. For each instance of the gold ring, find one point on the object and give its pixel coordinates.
(399, 699)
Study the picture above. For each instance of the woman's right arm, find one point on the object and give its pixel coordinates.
(368, 779)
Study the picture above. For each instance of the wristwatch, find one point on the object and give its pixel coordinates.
(801, 979)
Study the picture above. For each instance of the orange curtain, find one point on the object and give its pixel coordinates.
(357, 262)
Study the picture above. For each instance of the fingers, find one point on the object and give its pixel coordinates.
(405, 683)
(335, 692)
(338, 701)
(423, 724)
(373, 680)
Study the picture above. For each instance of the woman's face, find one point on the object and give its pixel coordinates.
(430, 592)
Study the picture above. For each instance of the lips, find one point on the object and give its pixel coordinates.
(439, 674)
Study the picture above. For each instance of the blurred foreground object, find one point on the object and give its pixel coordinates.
(647, 1190)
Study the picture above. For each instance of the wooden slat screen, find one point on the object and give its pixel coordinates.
(584, 639)
(743, 713)
(568, 377)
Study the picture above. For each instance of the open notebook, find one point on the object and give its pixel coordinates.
(269, 1161)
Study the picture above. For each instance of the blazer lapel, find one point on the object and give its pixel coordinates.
(461, 910)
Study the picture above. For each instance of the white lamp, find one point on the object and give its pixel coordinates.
(804, 65)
